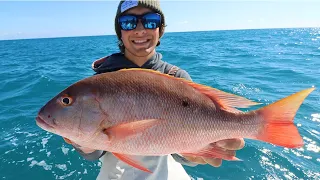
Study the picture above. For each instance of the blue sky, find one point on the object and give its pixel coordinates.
(37, 19)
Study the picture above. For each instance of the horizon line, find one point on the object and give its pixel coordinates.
(97, 35)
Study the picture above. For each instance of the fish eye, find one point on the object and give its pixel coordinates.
(66, 101)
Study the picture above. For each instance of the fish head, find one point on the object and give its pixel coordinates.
(75, 113)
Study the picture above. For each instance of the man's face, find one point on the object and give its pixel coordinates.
(140, 42)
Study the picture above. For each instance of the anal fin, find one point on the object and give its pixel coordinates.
(131, 162)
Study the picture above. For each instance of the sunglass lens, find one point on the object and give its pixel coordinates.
(128, 22)
(152, 21)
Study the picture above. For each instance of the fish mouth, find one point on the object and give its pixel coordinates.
(42, 123)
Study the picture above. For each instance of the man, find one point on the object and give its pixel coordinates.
(139, 26)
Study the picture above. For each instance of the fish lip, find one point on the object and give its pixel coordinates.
(42, 123)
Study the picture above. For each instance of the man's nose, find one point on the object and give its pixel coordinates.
(140, 27)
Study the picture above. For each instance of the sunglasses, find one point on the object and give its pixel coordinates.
(149, 21)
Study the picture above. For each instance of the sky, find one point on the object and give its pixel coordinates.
(40, 19)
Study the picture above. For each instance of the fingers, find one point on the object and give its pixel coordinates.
(231, 144)
(215, 162)
(194, 159)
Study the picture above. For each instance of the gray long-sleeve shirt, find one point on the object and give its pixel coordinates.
(119, 61)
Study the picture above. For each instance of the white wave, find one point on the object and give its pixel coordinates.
(44, 141)
(41, 163)
(300, 154)
(63, 167)
(266, 151)
(300, 149)
(307, 139)
(28, 134)
(13, 141)
(313, 147)
(65, 150)
(65, 176)
(9, 151)
(311, 174)
(315, 132)
(316, 117)
(272, 168)
(286, 150)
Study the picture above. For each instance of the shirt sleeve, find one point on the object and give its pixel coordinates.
(183, 74)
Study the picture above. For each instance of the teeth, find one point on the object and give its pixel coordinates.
(140, 41)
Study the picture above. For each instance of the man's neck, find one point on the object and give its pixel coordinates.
(138, 60)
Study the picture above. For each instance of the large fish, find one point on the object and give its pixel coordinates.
(143, 112)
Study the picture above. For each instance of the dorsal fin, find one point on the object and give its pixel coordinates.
(226, 101)
(146, 70)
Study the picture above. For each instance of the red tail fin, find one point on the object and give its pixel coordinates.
(279, 128)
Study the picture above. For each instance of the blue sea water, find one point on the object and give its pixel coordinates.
(263, 65)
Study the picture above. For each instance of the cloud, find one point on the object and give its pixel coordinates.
(184, 22)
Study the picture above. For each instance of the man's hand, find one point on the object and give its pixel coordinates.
(83, 149)
(228, 144)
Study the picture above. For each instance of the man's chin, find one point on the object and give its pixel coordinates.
(144, 52)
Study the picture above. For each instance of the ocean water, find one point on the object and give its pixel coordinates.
(263, 65)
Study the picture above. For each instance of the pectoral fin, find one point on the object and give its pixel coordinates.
(127, 159)
(125, 130)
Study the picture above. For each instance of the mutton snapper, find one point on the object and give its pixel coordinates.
(143, 112)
